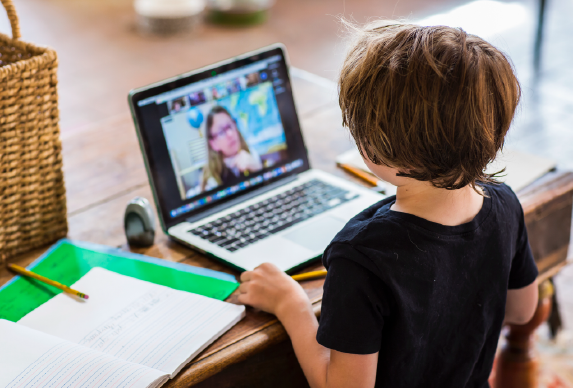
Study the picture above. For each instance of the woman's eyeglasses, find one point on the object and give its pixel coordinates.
(223, 132)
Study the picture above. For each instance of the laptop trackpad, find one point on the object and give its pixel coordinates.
(317, 234)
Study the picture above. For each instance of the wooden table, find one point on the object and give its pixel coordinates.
(104, 169)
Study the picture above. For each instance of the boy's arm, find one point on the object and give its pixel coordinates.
(522, 293)
(521, 304)
(271, 290)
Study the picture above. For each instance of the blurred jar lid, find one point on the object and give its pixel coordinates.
(169, 8)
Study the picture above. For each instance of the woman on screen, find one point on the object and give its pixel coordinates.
(230, 159)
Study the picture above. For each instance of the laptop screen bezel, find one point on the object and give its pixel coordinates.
(150, 91)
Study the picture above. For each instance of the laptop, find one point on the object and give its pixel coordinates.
(228, 167)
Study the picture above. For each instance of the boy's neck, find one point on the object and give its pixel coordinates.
(446, 207)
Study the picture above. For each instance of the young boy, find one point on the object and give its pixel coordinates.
(418, 285)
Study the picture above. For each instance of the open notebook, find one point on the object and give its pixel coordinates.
(130, 333)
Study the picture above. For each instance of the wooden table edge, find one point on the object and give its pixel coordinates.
(549, 183)
(549, 273)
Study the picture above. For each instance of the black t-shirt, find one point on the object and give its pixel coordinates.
(429, 298)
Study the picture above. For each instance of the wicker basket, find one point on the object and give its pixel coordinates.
(32, 192)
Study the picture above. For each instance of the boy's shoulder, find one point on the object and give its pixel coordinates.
(379, 229)
(504, 203)
(502, 194)
(359, 226)
(374, 226)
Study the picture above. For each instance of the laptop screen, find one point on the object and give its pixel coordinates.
(212, 135)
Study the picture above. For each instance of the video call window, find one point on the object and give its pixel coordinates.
(178, 105)
(220, 135)
(197, 98)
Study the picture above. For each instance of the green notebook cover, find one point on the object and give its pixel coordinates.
(67, 261)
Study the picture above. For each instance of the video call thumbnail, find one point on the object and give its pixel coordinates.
(220, 135)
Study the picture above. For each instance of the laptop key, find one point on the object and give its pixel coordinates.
(215, 239)
(227, 242)
(279, 228)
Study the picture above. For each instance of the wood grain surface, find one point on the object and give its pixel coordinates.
(104, 170)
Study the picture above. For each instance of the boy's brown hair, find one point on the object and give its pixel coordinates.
(434, 102)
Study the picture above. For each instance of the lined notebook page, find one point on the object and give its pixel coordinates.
(136, 321)
(29, 359)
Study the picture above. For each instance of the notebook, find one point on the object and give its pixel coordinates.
(521, 169)
(130, 332)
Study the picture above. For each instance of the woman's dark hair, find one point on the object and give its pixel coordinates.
(434, 102)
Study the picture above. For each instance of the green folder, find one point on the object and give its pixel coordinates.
(67, 261)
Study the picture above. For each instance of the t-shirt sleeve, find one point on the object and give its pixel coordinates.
(523, 268)
(353, 307)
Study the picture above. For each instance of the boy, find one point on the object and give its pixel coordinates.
(418, 285)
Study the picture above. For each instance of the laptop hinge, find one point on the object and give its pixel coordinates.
(240, 199)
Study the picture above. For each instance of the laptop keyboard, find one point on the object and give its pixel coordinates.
(244, 227)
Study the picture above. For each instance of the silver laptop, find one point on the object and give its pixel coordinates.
(228, 167)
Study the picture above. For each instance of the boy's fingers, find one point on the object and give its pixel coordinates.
(243, 288)
(243, 299)
(265, 266)
(246, 276)
(266, 269)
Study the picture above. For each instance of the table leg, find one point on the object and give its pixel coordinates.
(517, 364)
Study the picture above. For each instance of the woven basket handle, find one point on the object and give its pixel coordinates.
(13, 17)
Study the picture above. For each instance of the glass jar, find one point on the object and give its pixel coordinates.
(238, 12)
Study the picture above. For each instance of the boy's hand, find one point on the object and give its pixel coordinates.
(271, 290)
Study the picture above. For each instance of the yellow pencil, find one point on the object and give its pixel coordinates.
(309, 275)
(25, 272)
(360, 174)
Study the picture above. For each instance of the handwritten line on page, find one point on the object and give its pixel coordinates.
(136, 321)
(33, 359)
